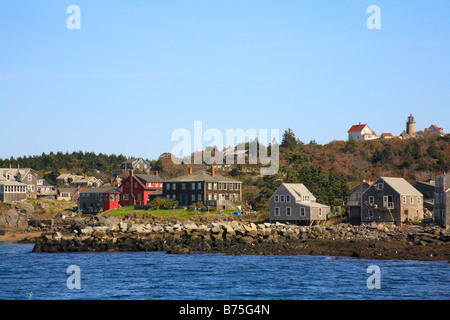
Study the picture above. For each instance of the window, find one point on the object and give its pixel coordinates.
(282, 198)
(209, 196)
(174, 196)
(193, 197)
(231, 186)
(320, 212)
(302, 211)
(288, 198)
(225, 186)
(199, 197)
(139, 197)
(306, 198)
(209, 185)
(214, 186)
(168, 196)
(277, 198)
(168, 186)
(174, 186)
(288, 211)
(379, 186)
(404, 199)
(276, 212)
(199, 186)
(183, 186)
(418, 199)
(30, 177)
(220, 186)
(124, 196)
(193, 185)
(411, 199)
(371, 199)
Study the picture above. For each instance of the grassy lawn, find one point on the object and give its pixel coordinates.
(183, 214)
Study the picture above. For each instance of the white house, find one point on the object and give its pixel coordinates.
(361, 132)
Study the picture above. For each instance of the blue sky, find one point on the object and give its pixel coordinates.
(138, 70)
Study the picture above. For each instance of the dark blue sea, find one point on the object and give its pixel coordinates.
(157, 275)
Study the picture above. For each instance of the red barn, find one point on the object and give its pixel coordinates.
(139, 189)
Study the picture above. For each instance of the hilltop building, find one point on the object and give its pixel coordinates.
(361, 132)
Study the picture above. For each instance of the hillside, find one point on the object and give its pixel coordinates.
(329, 170)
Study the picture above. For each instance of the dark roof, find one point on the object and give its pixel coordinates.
(71, 190)
(202, 176)
(101, 190)
(148, 177)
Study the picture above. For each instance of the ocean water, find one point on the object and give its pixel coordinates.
(157, 275)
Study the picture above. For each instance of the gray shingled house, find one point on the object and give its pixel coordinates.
(391, 200)
(442, 200)
(293, 202)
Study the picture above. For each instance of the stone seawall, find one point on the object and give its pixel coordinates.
(372, 241)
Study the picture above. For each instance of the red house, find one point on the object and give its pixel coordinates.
(140, 189)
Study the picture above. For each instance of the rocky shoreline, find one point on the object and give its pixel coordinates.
(371, 241)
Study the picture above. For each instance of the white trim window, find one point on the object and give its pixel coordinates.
(288, 211)
(371, 199)
(411, 199)
(320, 212)
(276, 211)
(302, 211)
(277, 198)
(282, 198)
(288, 198)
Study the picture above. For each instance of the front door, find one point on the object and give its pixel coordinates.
(183, 199)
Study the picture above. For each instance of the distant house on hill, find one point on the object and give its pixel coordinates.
(293, 202)
(78, 181)
(361, 132)
(436, 130)
(391, 200)
(132, 164)
(386, 135)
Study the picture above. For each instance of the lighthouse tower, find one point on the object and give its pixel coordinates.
(411, 126)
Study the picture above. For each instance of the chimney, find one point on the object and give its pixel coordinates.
(156, 172)
(131, 194)
(10, 165)
(18, 166)
(190, 170)
(85, 176)
(212, 171)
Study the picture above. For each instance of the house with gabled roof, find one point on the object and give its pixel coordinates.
(18, 184)
(140, 189)
(293, 202)
(393, 200)
(201, 186)
(132, 164)
(361, 132)
(436, 130)
(94, 200)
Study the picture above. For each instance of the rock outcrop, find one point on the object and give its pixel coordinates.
(381, 242)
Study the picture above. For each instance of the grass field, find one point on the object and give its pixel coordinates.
(178, 214)
(163, 213)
